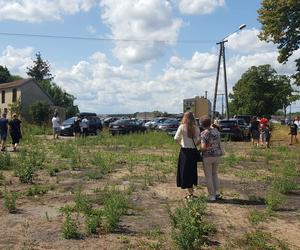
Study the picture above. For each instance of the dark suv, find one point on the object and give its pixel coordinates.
(95, 125)
(234, 128)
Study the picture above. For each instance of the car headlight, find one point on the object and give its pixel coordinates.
(66, 126)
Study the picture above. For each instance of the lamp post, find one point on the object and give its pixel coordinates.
(222, 55)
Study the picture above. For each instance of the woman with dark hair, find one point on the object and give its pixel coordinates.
(211, 149)
(187, 136)
(15, 131)
(254, 131)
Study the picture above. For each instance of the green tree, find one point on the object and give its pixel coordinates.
(5, 75)
(260, 91)
(39, 112)
(280, 21)
(40, 69)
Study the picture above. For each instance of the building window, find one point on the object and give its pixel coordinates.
(3, 96)
(14, 95)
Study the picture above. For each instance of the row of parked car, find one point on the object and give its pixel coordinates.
(235, 128)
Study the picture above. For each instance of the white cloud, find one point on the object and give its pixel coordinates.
(42, 10)
(140, 20)
(247, 41)
(194, 7)
(91, 29)
(17, 60)
(102, 87)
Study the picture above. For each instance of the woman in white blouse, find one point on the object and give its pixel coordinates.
(188, 136)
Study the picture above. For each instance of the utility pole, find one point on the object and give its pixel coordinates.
(222, 55)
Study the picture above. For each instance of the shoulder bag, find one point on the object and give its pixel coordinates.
(198, 153)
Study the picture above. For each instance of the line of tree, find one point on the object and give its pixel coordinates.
(261, 91)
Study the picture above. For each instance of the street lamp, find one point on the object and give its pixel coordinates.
(222, 54)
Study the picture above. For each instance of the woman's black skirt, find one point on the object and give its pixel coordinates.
(187, 175)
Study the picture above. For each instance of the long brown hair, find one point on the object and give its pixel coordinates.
(189, 121)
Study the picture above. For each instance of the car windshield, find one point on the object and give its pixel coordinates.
(120, 122)
(171, 121)
(227, 123)
(69, 121)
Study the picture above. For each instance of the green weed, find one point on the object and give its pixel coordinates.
(255, 216)
(9, 200)
(189, 228)
(70, 228)
(5, 161)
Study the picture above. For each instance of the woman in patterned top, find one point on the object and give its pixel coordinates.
(211, 148)
(187, 136)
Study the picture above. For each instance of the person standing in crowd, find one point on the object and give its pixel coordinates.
(187, 136)
(77, 127)
(293, 133)
(254, 131)
(15, 131)
(211, 148)
(84, 126)
(263, 126)
(3, 130)
(55, 126)
(297, 122)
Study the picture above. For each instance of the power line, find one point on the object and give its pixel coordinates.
(103, 39)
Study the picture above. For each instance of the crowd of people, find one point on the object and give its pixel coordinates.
(260, 131)
(80, 126)
(189, 138)
(11, 127)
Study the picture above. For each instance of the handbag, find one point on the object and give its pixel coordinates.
(199, 156)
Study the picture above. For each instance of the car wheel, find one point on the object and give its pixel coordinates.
(97, 132)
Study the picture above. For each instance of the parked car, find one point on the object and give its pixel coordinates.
(109, 120)
(155, 122)
(234, 128)
(169, 125)
(95, 126)
(125, 126)
(247, 118)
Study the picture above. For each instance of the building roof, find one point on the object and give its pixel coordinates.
(22, 82)
(15, 83)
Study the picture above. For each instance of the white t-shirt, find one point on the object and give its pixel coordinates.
(185, 141)
(85, 123)
(55, 122)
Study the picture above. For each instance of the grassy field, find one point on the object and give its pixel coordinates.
(119, 192)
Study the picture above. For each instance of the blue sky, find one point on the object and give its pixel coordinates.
(154, 73)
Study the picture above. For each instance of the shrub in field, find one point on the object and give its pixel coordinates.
(259, 240)
(5, 161)
(82, 203)
(256, 216)
(36, 190)
(115, 205)
(274, 199)
(93, 221)
(25, 171)
(189, 228)
(9, 200)
(70, 229)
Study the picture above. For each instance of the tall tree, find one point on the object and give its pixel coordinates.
(280, 21)
(40, 70)
(5, 75)
(260, 91)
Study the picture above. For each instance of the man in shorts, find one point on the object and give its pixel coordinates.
(3, 130)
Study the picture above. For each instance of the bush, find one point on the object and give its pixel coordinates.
(70, 229)
(9, 201)
(189, 229)
(39, 112)
(115, 205)
(5, 161)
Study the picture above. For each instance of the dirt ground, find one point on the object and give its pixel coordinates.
(37, 224)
